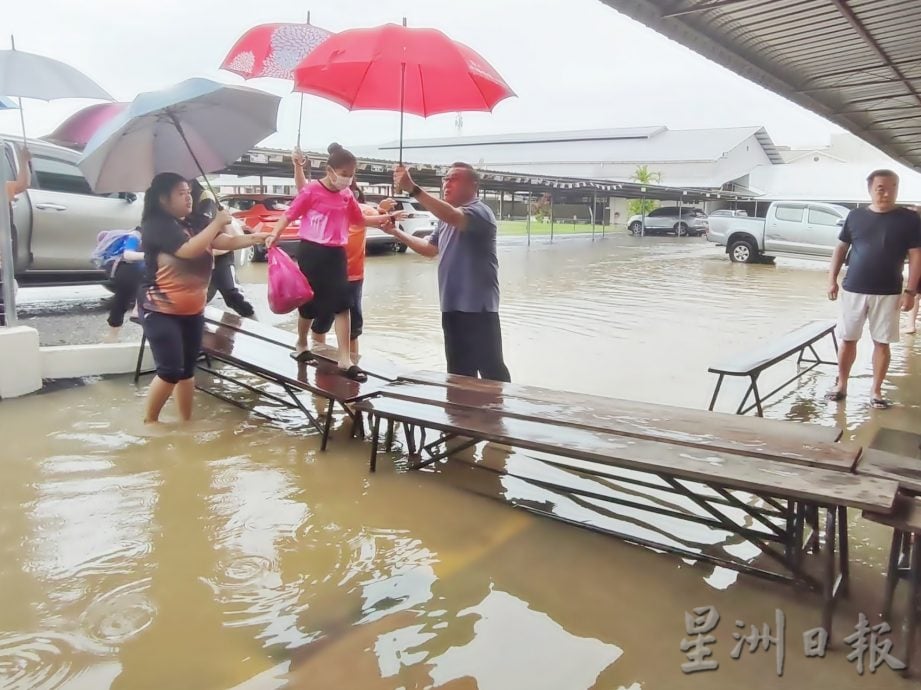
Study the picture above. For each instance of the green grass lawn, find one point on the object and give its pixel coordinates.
(512, 228)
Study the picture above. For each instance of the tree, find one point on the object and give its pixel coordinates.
(643, 175)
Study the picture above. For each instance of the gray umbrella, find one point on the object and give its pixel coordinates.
(27, 75)
(196, 127)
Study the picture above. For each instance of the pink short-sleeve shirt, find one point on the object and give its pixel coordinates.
(325, 216)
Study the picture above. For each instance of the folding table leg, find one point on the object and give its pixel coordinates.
(912, 614)
(757, 395)
(137, 369)
(844, 566)
(892, 572)
(828, 609)
(716, 392)
(328, 424)
(389, 441)
(375, 435)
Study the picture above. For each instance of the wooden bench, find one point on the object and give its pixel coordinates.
(375, 367)
(753, 363)
(905, 521)
(269, 360)
(809, 444)
(899, 468)
(615, 448)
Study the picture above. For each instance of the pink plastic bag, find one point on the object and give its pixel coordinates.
(288, 288)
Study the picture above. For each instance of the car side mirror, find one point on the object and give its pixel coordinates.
(840, 223)
(131, 197)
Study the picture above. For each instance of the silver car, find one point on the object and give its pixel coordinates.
(668, 219)
(58, 218)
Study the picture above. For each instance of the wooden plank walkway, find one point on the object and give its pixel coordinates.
(758, 438)
(808, 484)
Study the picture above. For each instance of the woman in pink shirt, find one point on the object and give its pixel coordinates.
(326, 209)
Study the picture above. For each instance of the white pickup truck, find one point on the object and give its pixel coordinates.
(804, 229)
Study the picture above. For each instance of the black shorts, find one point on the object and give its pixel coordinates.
(324, 322)
(327, 271)
(175, 342)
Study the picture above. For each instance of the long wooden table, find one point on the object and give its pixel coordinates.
(271, 362)
(705, 458)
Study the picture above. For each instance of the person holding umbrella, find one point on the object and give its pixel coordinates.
(326, 209)
(13, 189)
(468, 270)
(178, 263)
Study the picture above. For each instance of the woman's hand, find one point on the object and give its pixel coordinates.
(261, 237)
(270, 240)
(387, 205)
(223, 218)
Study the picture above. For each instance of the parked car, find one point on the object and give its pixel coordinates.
(729, 212)
(419, 222)
(795, 228)
(667, 219)
(253, 209)
(58, 218)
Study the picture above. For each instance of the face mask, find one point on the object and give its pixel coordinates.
(338, 182)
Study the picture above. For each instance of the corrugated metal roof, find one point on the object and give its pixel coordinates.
(854, 62)
(642, 145)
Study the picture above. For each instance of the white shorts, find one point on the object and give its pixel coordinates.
(882, 311)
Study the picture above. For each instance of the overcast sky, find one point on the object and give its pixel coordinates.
(575, 64)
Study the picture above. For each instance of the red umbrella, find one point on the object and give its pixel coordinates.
(418, 71)
(274, 50)
(80, 127)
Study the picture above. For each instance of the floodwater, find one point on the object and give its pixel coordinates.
(232, 554)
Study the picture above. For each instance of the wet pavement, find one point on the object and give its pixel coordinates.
(233, 554)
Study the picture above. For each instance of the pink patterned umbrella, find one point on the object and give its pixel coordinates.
(274, 50)
(80, 127)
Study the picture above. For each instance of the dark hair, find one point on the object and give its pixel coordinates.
(474, 175)
(356, 190)
(340, 157)
(161, 185)
(882, 172)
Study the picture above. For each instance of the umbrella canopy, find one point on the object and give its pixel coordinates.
(273, 50)
(194, 128)
(76, 131)
(28, 75)
(419, 71)
(7, 103)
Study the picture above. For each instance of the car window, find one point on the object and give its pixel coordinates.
(418, 207)
(240, 204)
(819, 217)
(659, 212)
(276, 204)
(790, 213)
(55, 175)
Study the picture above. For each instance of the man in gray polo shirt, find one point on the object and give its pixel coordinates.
(468, 270)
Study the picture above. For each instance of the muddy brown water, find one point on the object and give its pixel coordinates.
(233, 554)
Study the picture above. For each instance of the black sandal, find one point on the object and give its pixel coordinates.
(355, 373)
(880, 403)
(303, 357)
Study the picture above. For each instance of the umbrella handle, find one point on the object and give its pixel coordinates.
(179, 129)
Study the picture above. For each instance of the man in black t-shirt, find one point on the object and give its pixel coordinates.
(879, 237)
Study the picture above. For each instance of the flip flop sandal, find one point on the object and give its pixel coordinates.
(880, 403)
(354, 373)
(303, 357)
(835, 396)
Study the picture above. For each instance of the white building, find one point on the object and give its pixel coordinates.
(701, 158)
(836, 172)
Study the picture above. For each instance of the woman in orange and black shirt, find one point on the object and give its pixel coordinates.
(178, 264)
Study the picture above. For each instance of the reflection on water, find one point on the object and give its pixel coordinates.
(233, 554)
